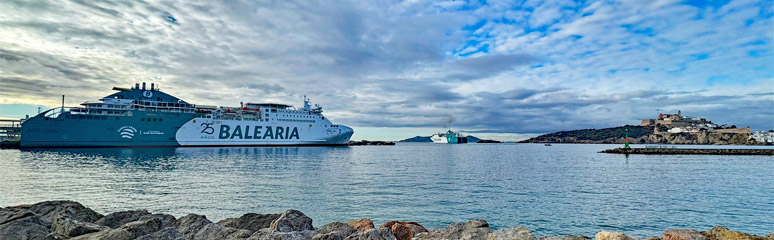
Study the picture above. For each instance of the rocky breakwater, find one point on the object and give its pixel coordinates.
(70, 220)
(691, 151)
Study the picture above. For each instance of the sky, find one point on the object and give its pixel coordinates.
(397, 69)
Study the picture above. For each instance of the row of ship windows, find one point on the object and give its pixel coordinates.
(90, 117)
(287, 115)
(151, 119)
(296, 120)
(87, 117)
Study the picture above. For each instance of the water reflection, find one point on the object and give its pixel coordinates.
(565, 189)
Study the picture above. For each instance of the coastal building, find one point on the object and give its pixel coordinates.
(677, 123)
(763, 136)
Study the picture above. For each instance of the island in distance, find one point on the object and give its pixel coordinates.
(666, 129)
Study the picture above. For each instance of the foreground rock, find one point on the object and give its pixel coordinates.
(473, 230)
(271, 234)
(251, 221)
(291, 221)
(116, 219)
(723, 233)
(683, 234)
(336, 229)
(191, 224)
(363, 224)
(566, 237)
(68, 227)
(22, 224)
(70, 220)
(373, 234)
(518, 233)
(217, 231)
(403, 230)
(605, 235)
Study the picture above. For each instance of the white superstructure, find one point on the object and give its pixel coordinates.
(263, 124)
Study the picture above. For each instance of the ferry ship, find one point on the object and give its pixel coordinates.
(140, 117)
(448, 137)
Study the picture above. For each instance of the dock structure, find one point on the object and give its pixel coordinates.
(692, 151)
(10, 129)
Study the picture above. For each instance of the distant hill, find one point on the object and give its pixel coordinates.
(471, 139)
(417, 139)
(604, 135)
(641, 135)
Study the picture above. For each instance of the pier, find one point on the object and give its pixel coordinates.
(691, 151)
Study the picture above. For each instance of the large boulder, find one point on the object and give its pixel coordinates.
(770, 235)
(116, 219)
(605, 235)
(329, 236)
(404, 230)
(250, 221)
(341, 228)
(167, 221)
(271, 234)
(169, 233)
(49, 210)
(68, 227)
(472, 230)
(190, 224)
(683, 234)
(23, 225)
(217, 231)
(292, 221)
(10, 214)
(566, 237)
(723, 233)
(130, 230)
(363, 224)
(517, 233)
(373, 234)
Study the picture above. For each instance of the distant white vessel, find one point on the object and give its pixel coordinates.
(449, 138)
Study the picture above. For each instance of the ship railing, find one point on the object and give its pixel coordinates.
(163, 106)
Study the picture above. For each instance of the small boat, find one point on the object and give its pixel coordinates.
(548, 144)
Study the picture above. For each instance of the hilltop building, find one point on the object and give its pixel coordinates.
(677, 123)
(766, 137)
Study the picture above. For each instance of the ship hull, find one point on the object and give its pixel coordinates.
(154, 129)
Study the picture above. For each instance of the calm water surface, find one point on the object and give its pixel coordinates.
(561, 189)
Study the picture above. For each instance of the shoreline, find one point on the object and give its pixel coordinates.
(72, 220)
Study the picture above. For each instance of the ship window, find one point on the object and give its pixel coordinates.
(160, 119)
(89, 117)
(154, 119)
(103, 118)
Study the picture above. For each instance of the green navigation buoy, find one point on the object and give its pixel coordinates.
(626, 138)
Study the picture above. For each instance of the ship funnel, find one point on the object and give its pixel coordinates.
(152, 86)
(136, 86)
(143, 85)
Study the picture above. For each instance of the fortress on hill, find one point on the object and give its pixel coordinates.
(677, 123)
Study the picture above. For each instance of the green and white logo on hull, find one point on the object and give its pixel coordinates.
(127, 132)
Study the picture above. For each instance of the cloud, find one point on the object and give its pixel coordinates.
(499, 66)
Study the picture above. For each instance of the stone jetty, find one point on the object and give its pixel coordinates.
(691, 151)
(70, 220)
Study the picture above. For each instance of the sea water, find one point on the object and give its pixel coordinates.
(552, 190)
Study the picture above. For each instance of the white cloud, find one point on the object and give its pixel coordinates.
(404, 64)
